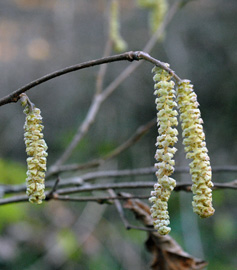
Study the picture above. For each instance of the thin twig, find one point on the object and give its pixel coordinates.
(14, 96)
(73, 167)
(80, 180)
(160, 30)
(119, 208)
(125, 185)
(137, 172)
(14, 199)
(147, 49)
(132, 227)
(97, 162)
(128, 56)
(142, 130)
(103, 68)
(132, 185)
(53, 190)
(146, 56)
(82, 130)
(118, 173)
(99, 199)
(99, 99)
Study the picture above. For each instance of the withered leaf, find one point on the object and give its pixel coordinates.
(167, 253)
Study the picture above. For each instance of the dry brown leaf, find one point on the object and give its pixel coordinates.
(167, 253)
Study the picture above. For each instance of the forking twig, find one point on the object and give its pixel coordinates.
(53, 190)
(99, 99)
(119, 208)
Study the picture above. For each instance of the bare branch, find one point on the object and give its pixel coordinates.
(14, 96)
(103, 68)
(88, 121)
(147, 57)
(98, 99)
(147, 49)
(119, 208)
(99, 199)
(98, 162)
(82, 130)
(51, 193)
(128, 56)
(186, 186)
(131, 185)
(159, 32)
(73, 167)
(79, 181)
(14, 199)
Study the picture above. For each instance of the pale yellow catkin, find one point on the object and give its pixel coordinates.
(158, 14)
(166, 120)
(146, 3)
(119, 44)
(36, 149)
(158, 10)
(195, 146)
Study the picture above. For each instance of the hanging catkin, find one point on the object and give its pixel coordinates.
(166, 120)
(36, 150)
(119, 44)
(195, 146)
(158, 10)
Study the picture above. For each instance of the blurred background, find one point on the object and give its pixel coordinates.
(40, 36)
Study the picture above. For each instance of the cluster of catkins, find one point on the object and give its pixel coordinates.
(36, 149)
(194, 141)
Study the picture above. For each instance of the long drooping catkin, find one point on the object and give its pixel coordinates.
(195, 146)
(158, 10)
(166, 120)
(36, 150)
(119, 43)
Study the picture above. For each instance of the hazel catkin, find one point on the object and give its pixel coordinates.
(195, 146)
(166, 120)
(158, 10)
(119, 43)
(36, 149)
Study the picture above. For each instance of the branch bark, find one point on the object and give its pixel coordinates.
(127, 56)
(14, 96)
(81, 180)
(105, 186)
